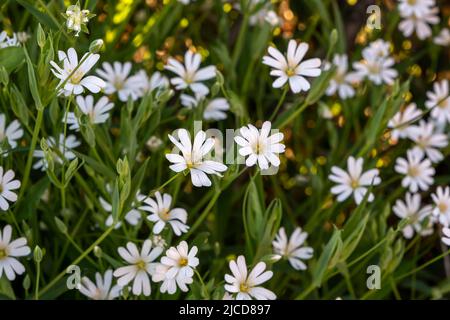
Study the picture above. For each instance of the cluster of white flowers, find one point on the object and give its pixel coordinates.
(377, 64)
(417, 16)
(428, 138)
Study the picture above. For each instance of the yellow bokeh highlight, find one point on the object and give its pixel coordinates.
(227, 7)
(123, 9)
(184, 23)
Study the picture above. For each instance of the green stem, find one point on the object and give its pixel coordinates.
(26, 175)
(36, 293)
(240, 40)
(63, 176)
(280, 103)
(79, 259)
(203, 216)
(423, 266)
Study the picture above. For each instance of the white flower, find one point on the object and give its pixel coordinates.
(446, 236)
(190, 75)
(216, 109)
(6, 41)
(6, 185)
(377, 49)
(77, 82)
(291, 68)
(63, 149)
(441, 201)
(411, 209)
(342, 80)
(23, 36)
(428, 141)
(259, 147)
(154, 143)
(354, 181)
(176, 268)
(401, 120)
(117, 80)
(189, 101)
(140, 268)
(192, 157)
(9, 251)
(102, 289)
(439, 101)
(265, 15)
(11, 133)
(293, 248)
(376, 65)
(414, 7)
(158, 241)
(419, 24)
(132, 217)
(156, 82)
(443, 38)
(97, 114)
(163, 214)
(76, 18)
(247, 286)
(418, 173)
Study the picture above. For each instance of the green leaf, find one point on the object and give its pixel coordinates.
(32, 82)
(325, 257)
(43, 18)
(6, 289)
(11, 58)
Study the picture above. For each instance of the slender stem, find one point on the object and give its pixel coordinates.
(63, 175)
(280, 103)
(205, 290)
(36, 292)
(423, 266)
(394, 289)
(240, 40)
(164, 184)
(294, 115)
(79, 259)
(13, 218)
(26, 175)
(203, 216)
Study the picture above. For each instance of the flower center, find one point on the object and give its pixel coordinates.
(339, 78)
(183, 262)
(3, 254)
(141, 265)
(164, 214)
(442, 104)
(76, 77)
(412, 2)
(290, 71)
(118, 83)
(354, 183)
(258, 148)
(413, 171)
(442, 208)
(244, 287)
(374, 68)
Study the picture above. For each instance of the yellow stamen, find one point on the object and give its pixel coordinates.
(183, 262)
(141, 265)
(243, 287)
